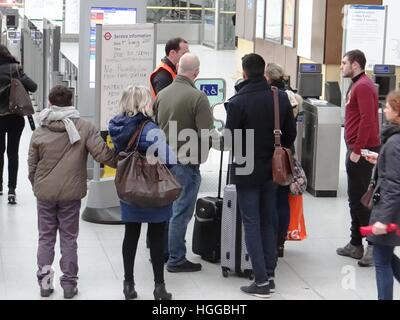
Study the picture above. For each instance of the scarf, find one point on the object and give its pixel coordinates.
(64, 114)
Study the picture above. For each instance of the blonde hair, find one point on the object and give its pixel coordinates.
(275, 72)
(136, 99)
(394, 100)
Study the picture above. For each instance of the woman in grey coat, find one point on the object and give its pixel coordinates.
(387, 208)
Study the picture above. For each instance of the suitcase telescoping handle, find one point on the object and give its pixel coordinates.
(220, 174)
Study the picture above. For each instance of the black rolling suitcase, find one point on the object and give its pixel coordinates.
(207, 225)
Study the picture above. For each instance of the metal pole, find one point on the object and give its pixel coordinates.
(97, 108)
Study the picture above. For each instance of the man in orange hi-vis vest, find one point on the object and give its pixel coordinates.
(165, 73)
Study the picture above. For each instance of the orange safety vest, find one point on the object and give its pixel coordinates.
(161, 66)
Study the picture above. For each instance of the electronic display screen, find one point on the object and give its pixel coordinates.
(109, 16)
(384, 69)
(309, 68)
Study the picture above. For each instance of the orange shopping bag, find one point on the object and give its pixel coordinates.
(297, 227)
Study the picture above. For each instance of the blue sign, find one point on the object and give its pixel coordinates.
(209, 89)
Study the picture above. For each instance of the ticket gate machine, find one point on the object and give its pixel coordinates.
(319, 134)
(385, 78)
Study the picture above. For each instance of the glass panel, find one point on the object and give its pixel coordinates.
(209, 23)
(173, 11)
(226, 24)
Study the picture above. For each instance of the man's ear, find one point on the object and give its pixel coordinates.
(245, 77)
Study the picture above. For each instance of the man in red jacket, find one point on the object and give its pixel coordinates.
(361, 132)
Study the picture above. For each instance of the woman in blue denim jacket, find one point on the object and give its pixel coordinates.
(136, 107)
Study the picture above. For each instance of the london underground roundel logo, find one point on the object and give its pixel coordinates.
(107, 36)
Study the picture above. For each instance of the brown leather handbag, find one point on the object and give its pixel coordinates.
(282, 160)
(19, 100)
(141, 183)
(371, 196)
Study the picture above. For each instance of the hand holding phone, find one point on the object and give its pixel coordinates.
(370, 156)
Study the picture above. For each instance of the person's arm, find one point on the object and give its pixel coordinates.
(289, 131)
(33, 160)
(368, 114)
(161, 80)
(389, 204)
(99, 149)
(28, 83)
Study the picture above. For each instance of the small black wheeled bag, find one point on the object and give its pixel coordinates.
(207, 225)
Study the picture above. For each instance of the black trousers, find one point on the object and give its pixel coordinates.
(156, 241)
(358, 179)
(12, 127)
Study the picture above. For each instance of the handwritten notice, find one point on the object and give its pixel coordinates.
(127, 59)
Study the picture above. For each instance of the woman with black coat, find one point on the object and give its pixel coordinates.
(387, 207)
(11, 125)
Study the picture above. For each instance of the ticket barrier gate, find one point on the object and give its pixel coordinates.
(321, 147)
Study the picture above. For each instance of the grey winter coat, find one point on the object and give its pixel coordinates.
(387, 210)
(57, 169)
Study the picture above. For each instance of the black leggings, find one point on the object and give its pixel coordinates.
(129, 247)
(12, 125)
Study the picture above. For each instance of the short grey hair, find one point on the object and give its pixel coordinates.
(189, 62)
(136, 99)
(274, 72)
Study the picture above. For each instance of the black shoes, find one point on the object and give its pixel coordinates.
(45, 293)
(70, 293)
(12, 198)
(257, 291)
(187, 266)
(129, 290)
(272, 285)
(160, 293)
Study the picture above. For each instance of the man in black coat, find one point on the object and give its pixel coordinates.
(250, 119)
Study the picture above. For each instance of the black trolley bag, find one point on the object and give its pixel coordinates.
(207, 225)
(234, 255)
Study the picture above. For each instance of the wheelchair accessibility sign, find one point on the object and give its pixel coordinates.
(215, 90)
(209, 89)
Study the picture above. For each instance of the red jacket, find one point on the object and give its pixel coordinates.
(361, 123)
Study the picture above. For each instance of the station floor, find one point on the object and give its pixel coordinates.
(310, 270)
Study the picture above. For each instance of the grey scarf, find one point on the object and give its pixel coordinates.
(64, 114)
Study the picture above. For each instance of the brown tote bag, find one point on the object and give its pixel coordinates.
(141, 183)
(282, 160)
(19, 101)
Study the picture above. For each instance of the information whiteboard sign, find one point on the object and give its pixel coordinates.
(305, 29)
(260, 19)
(365, 30)
(49, 9)
(274, 20)
(127, 58)
(72, 16)
(392, 52)
(106, 16)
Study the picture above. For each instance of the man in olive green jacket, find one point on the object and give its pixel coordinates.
(182, 113)
(57, 170)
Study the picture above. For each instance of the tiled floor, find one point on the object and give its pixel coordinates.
(311, 270)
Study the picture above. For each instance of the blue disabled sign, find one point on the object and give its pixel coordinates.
(215, 90)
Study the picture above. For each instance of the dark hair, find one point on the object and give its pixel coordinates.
(253, 65)
(60, 96)
(6, 55)
(357, 56)
(173, 44)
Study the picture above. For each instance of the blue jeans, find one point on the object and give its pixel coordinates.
(182, 211)
(259, 214)
(387, 266)
(283, 208)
